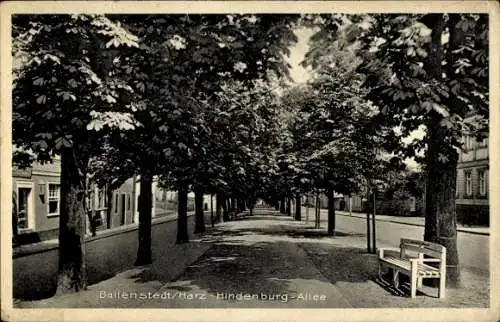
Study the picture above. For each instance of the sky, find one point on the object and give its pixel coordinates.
(297, 52)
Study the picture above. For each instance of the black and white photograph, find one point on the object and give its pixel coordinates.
(249, 155)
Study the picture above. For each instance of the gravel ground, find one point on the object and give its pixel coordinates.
(354, 272)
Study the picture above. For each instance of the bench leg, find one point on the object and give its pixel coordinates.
(414, 279)
(442, 286)
(395, 278)
(413, 286)
(419, 282)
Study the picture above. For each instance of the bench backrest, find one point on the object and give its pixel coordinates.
(422, 247)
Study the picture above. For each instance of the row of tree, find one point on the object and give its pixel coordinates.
(191, 99)
(378, 79)
(187, 98)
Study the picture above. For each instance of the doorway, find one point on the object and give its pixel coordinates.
(24, 206)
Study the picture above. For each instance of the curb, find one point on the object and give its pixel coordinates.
(420, 225)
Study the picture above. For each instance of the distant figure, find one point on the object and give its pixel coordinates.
(14, 218)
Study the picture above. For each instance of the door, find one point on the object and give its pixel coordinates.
(122, 209)
(24, 208)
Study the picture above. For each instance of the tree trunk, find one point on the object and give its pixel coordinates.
(225, 209)
(144, 256)
(241, 205)
(238, 205)
(331, 213)
(276, 205)
(212, 210)
(297, 208)
(440, 215)
(315, 200)
(288, 206)
(71, 271)
(234, 207)
(219, 201)
(109, 205)
(368, 232)
(374, 223)
(199, 225)
(317, 210)
(282, 206)
(182, 223)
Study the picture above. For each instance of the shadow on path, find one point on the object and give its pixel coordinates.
(282, 262)
(261, 255)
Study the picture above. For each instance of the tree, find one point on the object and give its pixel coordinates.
(246, 128)
(214, 50)
(333, 138)
(342, 131)
(428, 71)
(76, 87)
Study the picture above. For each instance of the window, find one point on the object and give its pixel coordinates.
(100, 198)
(53, 198)
(468, 183)
(413, 204)
(482, 182)
(89, 197)
(483, 143)
(469, 143)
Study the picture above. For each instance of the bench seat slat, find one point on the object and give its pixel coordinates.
(421, 249)
(432, 246)
(422, 269)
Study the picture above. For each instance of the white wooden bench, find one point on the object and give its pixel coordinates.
(415, 267)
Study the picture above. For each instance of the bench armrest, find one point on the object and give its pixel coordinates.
(383, 249)
(435, 260)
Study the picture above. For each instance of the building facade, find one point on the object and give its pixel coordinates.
(36, 194)
(472, 190)
(310, 200)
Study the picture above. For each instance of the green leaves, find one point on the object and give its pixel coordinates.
(41, 99)
(67, 96)
(63, 142)
(39, 81)
(110, 99)
(53, 58)
(112, 120)
(64, 81)
(414, 83)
